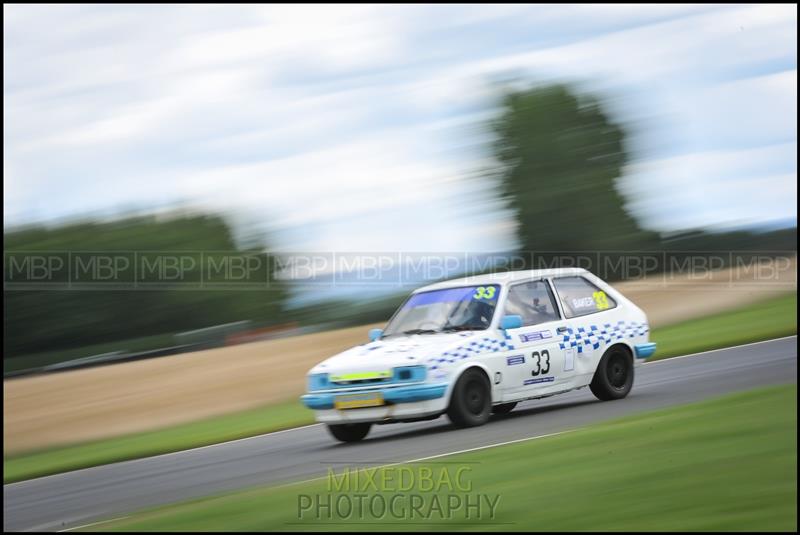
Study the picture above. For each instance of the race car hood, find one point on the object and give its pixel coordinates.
(430, 349)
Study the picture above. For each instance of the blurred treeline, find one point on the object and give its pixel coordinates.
(50, 319)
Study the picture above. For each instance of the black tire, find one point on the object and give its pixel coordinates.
(471, 402)
(613, 378)
(349, 432)
(504, 408)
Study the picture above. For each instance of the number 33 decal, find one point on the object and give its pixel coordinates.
(544, 356)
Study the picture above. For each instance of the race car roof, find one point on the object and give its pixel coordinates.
(504, 277)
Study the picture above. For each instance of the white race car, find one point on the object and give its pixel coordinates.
(479, 345)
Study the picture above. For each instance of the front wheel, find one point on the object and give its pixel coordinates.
(613, 378)
(349, 432)
(471, 403)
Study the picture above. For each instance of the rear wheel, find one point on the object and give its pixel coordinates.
(613, 378)
(471, 403)
(349, 432)
(504, 408)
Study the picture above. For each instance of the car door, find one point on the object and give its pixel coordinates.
(593, 320)
(536, 365)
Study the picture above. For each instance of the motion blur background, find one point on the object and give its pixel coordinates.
(292, 134)
(201, 202)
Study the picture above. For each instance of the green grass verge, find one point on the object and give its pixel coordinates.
(772, 318)
(768, 319)
(725, 464)
(180, 437)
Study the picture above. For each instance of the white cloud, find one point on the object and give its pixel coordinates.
(750, 111)
(315, 115)
(715, 187)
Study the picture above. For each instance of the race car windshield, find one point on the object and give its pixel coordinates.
(469, 308)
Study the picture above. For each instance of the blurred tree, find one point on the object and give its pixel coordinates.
(559, 157)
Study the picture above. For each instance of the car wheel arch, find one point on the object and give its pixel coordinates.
(472, 365)
(626, 347)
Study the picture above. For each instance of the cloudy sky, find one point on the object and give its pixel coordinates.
(355, 127)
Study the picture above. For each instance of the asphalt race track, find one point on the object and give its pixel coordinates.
(78, 498)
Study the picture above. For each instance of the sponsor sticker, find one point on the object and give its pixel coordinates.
(583, 302)
(532, 337)
(516, 359)
(538, 380)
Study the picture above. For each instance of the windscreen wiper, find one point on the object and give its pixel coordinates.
(420, 331)
(450, 328)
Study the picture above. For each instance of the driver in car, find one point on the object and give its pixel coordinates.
(478, 314)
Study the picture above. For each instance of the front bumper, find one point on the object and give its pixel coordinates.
(391, 395)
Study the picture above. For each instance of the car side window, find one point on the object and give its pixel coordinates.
(533, 301)
(580, 297)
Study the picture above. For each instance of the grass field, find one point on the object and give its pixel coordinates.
(725, 464)
(761, 321)
(768, 319)
(210, 431)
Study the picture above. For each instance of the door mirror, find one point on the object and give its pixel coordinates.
(512, 321)
(374, 334)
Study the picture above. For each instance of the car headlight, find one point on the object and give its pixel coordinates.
(318, 381)
(410, 374)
